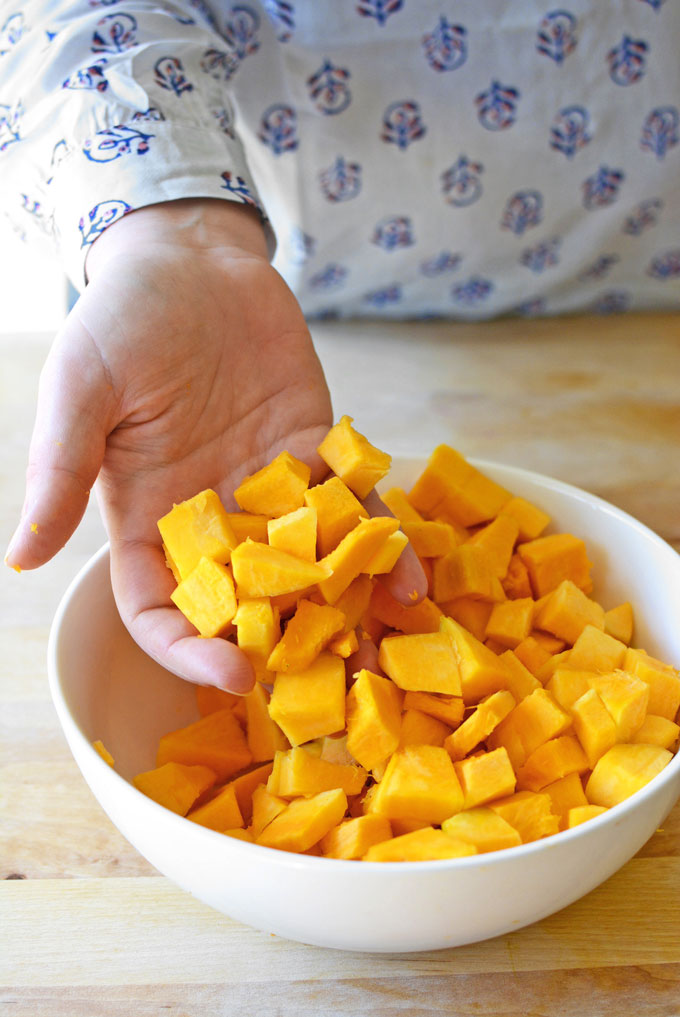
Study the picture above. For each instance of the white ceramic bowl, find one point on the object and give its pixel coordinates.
(105, 687)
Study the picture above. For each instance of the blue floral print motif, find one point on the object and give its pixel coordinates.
(113, 142)
(446, 46)
(89, 78)
(379, 9)
(402, 124)
(237, 185)
(169, 74)
(331, 277)
(224, 121)
(328, 88)
(627, 61)
(643, 217)
(542, 256)
(473, 292)
(445, 261)
(602, 188)
(341, 181)
(461, 184)
(60, 151)
(34, 208)
(241, 30)
(666, 266)
(101, 216)
(11, 32)
(497, 106)
(10, 117)
(219, 64)
(557, 35)
(660, 131)
(569, 132)
(300, 245)
(522, 211)
(278, 128)
(656, 4)
(393, 232)
(611, 302)
(152, 114)
(599, 268)
(282, 16)
(114, 33)
(385, 295)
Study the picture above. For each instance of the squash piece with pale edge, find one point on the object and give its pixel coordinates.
(263, 571)
(622, 771)
(220, 812)
(352, 458)
(207, 598)
(352, 838)
(337, 512)
(295, 532)
(258, 630)
(423, 845)
(304, 822)
(353, 554)
(216, 741)
(483, 828)
(278, 488)
(481, 670)
(299, 773)
(175, 785)
(373, 718)
(419, 783)
(197, 528)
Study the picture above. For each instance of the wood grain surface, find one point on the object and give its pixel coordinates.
(89, 929)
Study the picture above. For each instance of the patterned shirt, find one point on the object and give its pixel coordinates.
(411, 158)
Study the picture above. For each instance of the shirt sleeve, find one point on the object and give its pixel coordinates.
(106, 108)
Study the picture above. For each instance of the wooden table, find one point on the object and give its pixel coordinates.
(88, 928)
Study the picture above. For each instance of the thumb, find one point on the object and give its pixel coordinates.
(75, 400)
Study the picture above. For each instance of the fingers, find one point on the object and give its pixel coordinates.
(73, 414)
(142, 584)
(365, 657)
(407, 581)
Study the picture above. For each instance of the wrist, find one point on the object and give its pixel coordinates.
(200, 225)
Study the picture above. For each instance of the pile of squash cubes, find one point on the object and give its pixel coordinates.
(505, 706)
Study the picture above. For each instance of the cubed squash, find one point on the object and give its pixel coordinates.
(481, 670)
(419, 783)
(582, 813)
(220, 812)
(553, 558)
(418, 728)
(422, 617)
(531, 520)
(352, 457)
(386, 557)
(466, 571)
(657, 730)
(265, 807)
(216, 741)
(264, 737)
(594, 726)
(248, 525)
(450, 486)
(197, 528)
(373, 714)
(431, 539)
(497, 540)
(422, 845)
(485, 777)
(448, 709)
(567, 610)
(263, 571)
(510, 622)
(352, 838)
(353, 554)
(556, 758)
(304, 822)
(258, 630)
(618, 622)
(626, 699)
(483, 828)
(623, 770)
(276, 489)
(424, 662)
(295, 532)
(299, 773)
(519, 680)
(207, 598)
(530, 812)
(566, 793)
(337, 512)
(310, 703)
(594, 650)
(307, 634)
(175, 785)
(662, 679)
(479, 724)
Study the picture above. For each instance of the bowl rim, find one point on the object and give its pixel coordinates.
(73, 730)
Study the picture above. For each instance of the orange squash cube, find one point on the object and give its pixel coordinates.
(264, 737)
(297, 772)
(418, 728)
(618, 622)
(566, 611)
(305, 821)
(657, 730)
(485, 777)
(530, 519)
(622, 771)
(626, 699)
(373, 714)
(465, 572)
(582, 813)
(276, 489)
(308, 632)
(207, 598)
(516, 582)
(662, 679)
(354, 601)
(175, 785)
(263, 571)
(448, 709)
(310, 703)
(481, 670)
(510, 622)
(566, 793)
(429, 538)
(353, 554)
(532, 722)
(594, 650)
(337, 512)
(197, 528)
(422, 845)
(216, 741)
(450, 486)
(265, 807)
(530, 813)
(472, 614)
(519, 680)
(352, 457)
(566, 686)
(245, 785)
(353, 837)
(532, 654)
(594, 726)
(258, 629)
(295, 532)
(423, 617)
(344, 644)
(248, 525)
(424, 662)
(209, 699)
(497, 540)
(220, 812)
(556, 758)
(551, 559)
(396, 500)
(419, 783)
(483, 828)
(479, 724)
(386, 557)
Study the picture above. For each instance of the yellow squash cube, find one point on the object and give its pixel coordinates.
(298, 772)
(422, 845)
(353, 837)
(485, 777)
(307, 633)
(305, 821)
(424, 662)
(419, 783)
(207, 597)
(196, 528)
(622, 771)
(278, 488)
(373, 718)
(352, 458)
(263, 571)
(483, 828)
(175, 785)
(310, 703)
(353, 554)
(295, 533)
